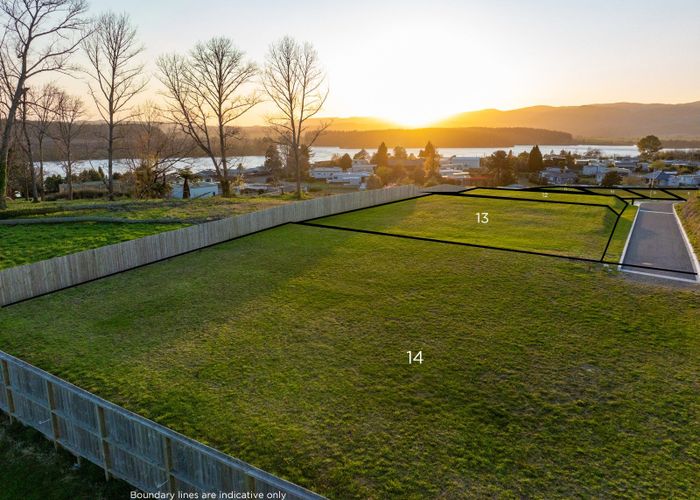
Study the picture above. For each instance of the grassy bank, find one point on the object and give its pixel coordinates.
(31, 243)
(689, 214)
(287, 349)
(23, 244)
(204, 208)
(30, 469)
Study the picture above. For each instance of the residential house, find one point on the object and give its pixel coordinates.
(556, 175)
(623, 172)
(593, 169)
(324, 172)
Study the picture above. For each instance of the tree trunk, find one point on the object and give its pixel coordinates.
(5, 144)
(69, 178)
(297, 165)
(186, 189)
(110, 158)
(42, 190)
(30, 158)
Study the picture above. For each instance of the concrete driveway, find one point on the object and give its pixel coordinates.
(657, 240)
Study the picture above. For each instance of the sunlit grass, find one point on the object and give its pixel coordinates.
(567, 230)
(541, 377)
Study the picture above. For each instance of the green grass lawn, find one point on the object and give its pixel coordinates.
(30, 469)
(622, 231)
(199, 209)
(570, 230)
(653, 193)
(34, 242)
(28, 243)
(622, 193)
(689, 214)
(541, 377)
(547, 196)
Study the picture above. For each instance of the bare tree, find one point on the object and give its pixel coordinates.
(26, 144)
(296, 84)
(39, 36)
(206, 93)
(43, 112)
(156, 149)
(70, 112)
(113, 50)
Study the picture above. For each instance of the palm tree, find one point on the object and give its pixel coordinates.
(187, 176)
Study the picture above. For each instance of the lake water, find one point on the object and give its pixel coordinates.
(326, 153)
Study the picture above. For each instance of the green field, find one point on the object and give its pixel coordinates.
(34, 242)
(547, 196)
(198, 210)
(541, 377)
(27, 243)
(552, 228)
(30, 469)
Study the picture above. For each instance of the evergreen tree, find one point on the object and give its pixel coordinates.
(535, 162)
(400, 153)
(345, 162)
(381, 157)
(431, 165)
(648, 146)
(500, 167)
(273, 162)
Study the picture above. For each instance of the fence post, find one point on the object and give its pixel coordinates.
(250, 483)
(168, 461)
(52, 409)
(102, 428)
(8, 390)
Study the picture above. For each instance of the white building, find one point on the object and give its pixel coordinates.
(453, 173)
(348, 178)
(461, 162)
(593, 169)
(324, 172)
(359, 168)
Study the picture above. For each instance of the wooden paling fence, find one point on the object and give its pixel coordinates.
(147, 455)
(31, 280)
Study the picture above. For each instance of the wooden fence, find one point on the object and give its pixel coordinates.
(147, 455)
(31, 280)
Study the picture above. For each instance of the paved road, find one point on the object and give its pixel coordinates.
(657, 241)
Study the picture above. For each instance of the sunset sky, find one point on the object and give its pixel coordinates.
(414, 62)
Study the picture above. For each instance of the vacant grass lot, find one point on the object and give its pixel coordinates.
(622, 193)
(570, 230)
(31, 243)
(541, 378)
(548, 196)
(28, 243)
(198, 209)
(30, 469)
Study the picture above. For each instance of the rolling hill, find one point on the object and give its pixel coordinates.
(594, 121)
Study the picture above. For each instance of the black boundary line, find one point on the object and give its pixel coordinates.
(556, 188)
(638, 197)
(674, 195)
(548, 189)
(512, 198)
(196, 250)
(486, 247)
(586, 190)
(308, 222)
(143, 265)
(612, 234)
